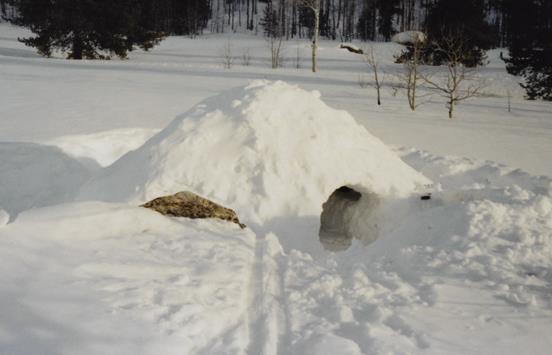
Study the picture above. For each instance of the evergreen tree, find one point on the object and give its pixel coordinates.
(387, 9)
(270, 22)
(86, 28)
(367, 25)
(460, 21)
(530, 45)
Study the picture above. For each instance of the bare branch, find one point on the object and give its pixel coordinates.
(460, 82)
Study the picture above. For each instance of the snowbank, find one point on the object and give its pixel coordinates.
(33, 175)
(103, 148)
(268, 149)
(97, 278)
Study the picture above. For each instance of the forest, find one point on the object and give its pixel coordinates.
(103, 28)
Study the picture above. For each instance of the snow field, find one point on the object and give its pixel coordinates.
(150, 89)
(467, 272)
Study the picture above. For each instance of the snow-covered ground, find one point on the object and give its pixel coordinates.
(468, 271)
(43, 99)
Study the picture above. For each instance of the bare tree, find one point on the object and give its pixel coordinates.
(227, 56)
(411, 76)
(297, 61)
(509, 97)
(246, 57)
(275, 45)
(460, 82)
(371, 58)
(314, 5)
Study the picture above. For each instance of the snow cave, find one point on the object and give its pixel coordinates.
(272, 152)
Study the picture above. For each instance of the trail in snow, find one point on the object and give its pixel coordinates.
(256, 313)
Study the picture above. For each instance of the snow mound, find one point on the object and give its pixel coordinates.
(409, 37)
(268, 149)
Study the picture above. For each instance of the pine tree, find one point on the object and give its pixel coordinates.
(86, 28)
(387, 10)
(367, 25)
(530, 45)
(269, 21)
(464, 21)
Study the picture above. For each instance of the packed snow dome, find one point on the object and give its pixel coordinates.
(267, 150)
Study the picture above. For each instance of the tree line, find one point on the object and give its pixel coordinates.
(106, 28)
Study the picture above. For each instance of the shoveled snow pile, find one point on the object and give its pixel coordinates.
(269, 149)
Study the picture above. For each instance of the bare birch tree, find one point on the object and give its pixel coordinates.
(227, 55)
(314, 5)
(460, 83)
(411, 76)
(371, 58)
(275, 43)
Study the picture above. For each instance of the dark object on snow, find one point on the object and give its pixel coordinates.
(351, 49)
(426, 197)
(190, 205)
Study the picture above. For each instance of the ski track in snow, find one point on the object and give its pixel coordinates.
(256, 313)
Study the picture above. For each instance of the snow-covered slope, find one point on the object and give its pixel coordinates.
(267, 150)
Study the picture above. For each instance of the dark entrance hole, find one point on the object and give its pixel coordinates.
(335, 221)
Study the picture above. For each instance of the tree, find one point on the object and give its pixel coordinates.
(273, 32)
(371, 58)
(530, 45)
(463, 20)
(387, 10)
(411, 76)
(367, 25)
(460, 82)
(86, 28)
(314, 6)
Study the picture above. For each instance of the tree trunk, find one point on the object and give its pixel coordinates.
(77, 48)
(378, 85)
(315, 38)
